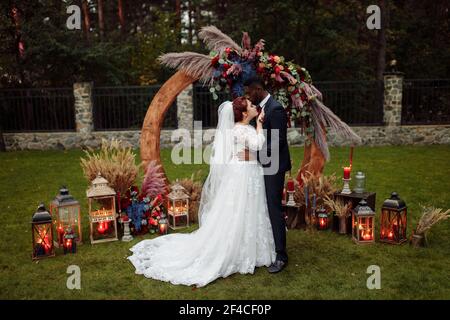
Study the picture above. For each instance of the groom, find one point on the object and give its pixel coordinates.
(275, 163)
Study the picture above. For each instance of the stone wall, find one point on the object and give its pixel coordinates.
(393, 133)
(371, 136)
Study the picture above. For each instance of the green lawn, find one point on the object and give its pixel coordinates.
(323, 265)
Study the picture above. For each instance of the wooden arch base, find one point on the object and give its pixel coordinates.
(313, 160)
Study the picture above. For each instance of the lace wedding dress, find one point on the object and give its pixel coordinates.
(235, 233)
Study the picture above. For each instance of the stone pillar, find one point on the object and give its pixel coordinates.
(84, 120)
(392, 106)
(185, 108)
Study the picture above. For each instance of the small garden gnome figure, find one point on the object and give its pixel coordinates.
(126, 229)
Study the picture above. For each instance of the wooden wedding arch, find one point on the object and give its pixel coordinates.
(313, 159)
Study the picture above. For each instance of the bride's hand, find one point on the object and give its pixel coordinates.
(261, 117)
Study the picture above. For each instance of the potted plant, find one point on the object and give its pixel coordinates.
(340, 211)
(429, 218)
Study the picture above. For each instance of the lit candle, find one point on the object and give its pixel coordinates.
(290, 185)
(163, 228)
(347, 171)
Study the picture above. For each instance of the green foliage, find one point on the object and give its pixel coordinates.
(328, 37)
(160, 38)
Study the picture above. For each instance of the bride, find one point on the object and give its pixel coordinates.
(235, 233)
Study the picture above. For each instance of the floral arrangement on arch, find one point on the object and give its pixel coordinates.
(229, 66)
(290, 83)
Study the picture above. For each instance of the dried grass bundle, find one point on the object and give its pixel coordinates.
(193, 187)
(338, 206)
(430, 217)
(323, 186)
(115, 162)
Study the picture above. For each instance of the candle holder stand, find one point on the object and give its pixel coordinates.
(126, 231)
(290, 202)
(346, 189)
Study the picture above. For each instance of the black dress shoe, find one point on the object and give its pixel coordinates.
(277, 266)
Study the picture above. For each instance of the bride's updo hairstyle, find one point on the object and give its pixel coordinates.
(239, 107)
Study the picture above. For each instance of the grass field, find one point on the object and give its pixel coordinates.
(323, 265)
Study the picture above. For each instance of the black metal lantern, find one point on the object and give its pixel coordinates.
(65, 211)
(393, 220)
(322, 220)
(42, 234)
(363, 223)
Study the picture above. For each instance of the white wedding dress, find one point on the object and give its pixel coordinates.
(235, 233)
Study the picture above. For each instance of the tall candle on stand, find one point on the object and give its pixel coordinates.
(347, 171)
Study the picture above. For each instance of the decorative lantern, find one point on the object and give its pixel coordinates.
(178, 207)
(69, 245)
(322, 220)
(65, 211)
(102, 211)
(393, 220)
(363, 223)
(360, 182)
(42, 234)
(163, 224)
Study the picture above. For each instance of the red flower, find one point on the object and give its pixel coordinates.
(215, 60)
(228, 50)
(277, 70)
(226, 66)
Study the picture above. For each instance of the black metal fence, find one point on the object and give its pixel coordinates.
(45, 109)
(355, 102)
(358, 103)
(426, 101)
(124, 108)
(205, 107)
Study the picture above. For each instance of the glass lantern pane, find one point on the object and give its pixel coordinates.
(103, 230)
(42, 237)
(103, 205)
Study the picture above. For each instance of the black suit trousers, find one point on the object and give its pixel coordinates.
(274, 193)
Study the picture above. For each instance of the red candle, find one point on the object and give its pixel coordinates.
(290, 185)
(347, 171)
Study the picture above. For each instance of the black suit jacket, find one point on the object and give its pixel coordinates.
(275, 118)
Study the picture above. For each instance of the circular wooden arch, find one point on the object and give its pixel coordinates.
(313, 160)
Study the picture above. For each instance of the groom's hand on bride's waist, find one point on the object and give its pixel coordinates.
(244, 155)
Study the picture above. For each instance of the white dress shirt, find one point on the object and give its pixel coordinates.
(262, 104)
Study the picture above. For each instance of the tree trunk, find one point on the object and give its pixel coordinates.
(381, 41)
(190, 22)
(86, 19)
(121, 16)
(101, 19)
(178, 20)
